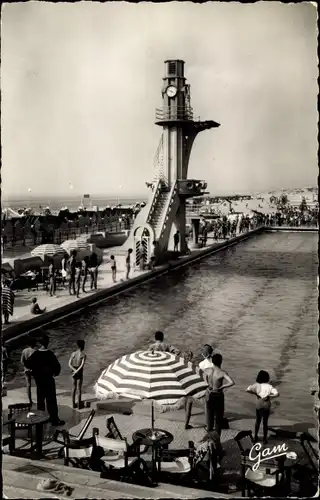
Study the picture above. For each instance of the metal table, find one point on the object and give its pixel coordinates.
(37, 419)
(153, 438)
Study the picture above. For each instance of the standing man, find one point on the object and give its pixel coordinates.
(52, 278)
(45, 366)
(85, 268)
(218, 380)
(78, 278)
(128, 262)
(26, 354)
(7, 301)
(176, 239)
(94, 270)
(76, 364)
(72, 272)
(113, 268)
(205, 365)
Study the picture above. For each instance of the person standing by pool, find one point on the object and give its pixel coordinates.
(52, 278)
(72, 272)
(78, 278)
(263, 391)
(113, 268)
(26, 353)
(176, 239)
(94, 270)
(85, 269)
(204, 365)
(64, 270)
(218, 380)
(7, 301)
(128, 262)
(76, 364)
(44, 366)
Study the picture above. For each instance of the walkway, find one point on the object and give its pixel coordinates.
(23, 297)
(21, 475)
(64, 303)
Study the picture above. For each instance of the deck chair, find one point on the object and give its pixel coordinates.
(121, 461)
(268, 480)
(113, 430)
(310, 447)
(78, 437)
(114, 433)
(7, 437)
(175, 461)
(80, 453)
(306, 470)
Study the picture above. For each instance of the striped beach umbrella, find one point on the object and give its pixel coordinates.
(47, 250)
(70, 245)
(159, 376)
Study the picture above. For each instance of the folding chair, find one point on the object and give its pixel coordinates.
(121, 461)
(7, 438)
(267, 480)
(115, 433)
(78, 437)
(175, 461)
(113, 429)
(310, 447)
(80, 453)
(16, 409)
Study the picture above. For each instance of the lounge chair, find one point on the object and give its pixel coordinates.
(268, 480)
(78, 437)
(122, 461)
(80, 453)
(114, 433)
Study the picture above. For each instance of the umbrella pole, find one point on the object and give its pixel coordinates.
(152, 416)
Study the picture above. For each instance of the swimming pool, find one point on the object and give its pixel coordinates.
(256, 302)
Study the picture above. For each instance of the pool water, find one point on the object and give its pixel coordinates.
(256, 302)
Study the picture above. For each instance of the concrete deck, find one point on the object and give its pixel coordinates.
(21, 475)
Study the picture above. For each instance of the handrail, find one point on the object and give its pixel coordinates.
(174, 113)
(167, 207)
(154, 199)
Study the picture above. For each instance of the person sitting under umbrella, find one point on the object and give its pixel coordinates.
(209, 452)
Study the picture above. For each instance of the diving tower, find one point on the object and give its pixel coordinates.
(165, 212)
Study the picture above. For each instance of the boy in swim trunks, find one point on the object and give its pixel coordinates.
(76, 364)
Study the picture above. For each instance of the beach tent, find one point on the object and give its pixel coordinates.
(8, 213)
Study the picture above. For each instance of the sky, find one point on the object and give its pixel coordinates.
(80, 83)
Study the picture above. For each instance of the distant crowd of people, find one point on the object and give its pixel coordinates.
(293, 218)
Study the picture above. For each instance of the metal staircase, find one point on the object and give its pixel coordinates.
(155, 218)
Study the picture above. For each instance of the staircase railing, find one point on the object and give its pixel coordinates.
(156, 193)
(166, 211)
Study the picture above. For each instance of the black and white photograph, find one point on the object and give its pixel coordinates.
(159, 249)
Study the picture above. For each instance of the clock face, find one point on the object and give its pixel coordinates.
(171, 91)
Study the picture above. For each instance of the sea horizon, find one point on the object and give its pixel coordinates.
(72, 202)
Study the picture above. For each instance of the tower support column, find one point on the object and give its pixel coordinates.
(181, 224)
(195, 230)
